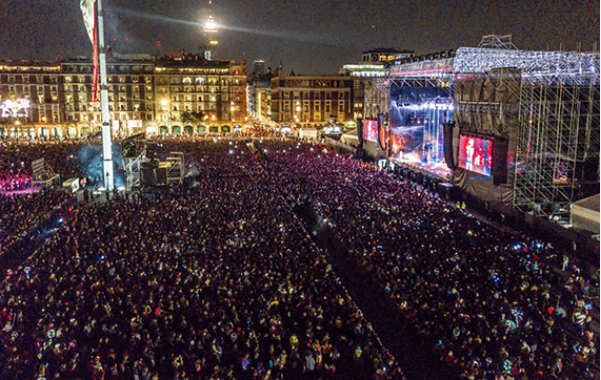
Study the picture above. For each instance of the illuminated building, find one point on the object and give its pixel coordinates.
(215, 88)
(259, 68)
(384, 55)
(369, 100)
(40, 83)
(311, 100)
(259, 96)
(145, 95)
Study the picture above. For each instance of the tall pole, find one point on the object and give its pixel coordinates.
(107, 153)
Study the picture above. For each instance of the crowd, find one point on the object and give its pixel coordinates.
(493, 304)
(60, 156)
(20, 214)
(218, 280)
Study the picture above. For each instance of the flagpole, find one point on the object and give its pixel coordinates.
(107, 153)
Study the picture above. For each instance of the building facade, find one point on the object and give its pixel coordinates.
(32, 99)
(217, 89)
(311, 100)
(369, 79)
(259, 95)
(56, 100)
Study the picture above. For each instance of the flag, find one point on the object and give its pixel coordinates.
(95, 59)
(88, 11)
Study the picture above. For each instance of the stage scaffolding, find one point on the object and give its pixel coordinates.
(559, 132)
(558, 111)
(133, 151)
(131, 165)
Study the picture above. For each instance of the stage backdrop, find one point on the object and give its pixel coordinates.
(416, 116)
(486, 108)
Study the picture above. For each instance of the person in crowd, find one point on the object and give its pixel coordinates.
(217, 280)
(493, 303)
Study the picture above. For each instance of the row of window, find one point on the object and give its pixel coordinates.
(212, 81)
(117, 116)
(318, 95)
(120, 107)
(211, 89)
(36, 79)
(199, 98)
(26, 89)
(83, 98)
(111, 79)
(316, 108)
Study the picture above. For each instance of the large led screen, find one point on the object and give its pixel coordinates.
(370, 130)
(475, 154)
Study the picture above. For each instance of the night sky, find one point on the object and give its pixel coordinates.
(309, 36)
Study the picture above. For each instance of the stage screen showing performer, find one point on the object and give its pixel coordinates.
(370, 130)
(475, 154)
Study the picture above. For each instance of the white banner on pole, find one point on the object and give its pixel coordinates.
(87, 10)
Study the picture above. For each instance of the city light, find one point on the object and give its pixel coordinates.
(210, 26)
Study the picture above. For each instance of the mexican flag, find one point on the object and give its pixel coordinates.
(88, 10)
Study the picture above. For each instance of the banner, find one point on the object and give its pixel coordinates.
(95, 55)
(88, 11)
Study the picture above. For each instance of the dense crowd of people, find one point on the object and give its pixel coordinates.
(62, 157)
(215, 281)
(20, 214)
(218, 279)
(494, 304)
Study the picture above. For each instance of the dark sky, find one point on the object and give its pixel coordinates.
(310, 36)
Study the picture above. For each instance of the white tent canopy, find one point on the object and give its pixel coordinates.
(584, 214)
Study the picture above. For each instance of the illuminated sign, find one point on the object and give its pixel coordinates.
(11, 108)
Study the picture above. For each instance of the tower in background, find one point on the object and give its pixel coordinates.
(259, 68)
(210, 30)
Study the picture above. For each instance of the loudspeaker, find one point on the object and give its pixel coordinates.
(499, 161)
(382, 138)
(360, 132)
(449, 155)
(148, 177)
(161, 175)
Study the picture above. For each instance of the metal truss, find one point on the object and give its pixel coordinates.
(558, 132)
(558, 124)
(131, 165)
(548, 67)
(376, 96)
(175, 168)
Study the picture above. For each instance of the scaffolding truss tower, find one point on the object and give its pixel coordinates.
(559, 132)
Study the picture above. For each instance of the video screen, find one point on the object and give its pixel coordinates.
(370, 130)
(475, 154)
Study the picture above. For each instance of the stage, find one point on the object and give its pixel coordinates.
(437, 170)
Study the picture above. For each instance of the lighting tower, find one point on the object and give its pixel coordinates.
(210, 30)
